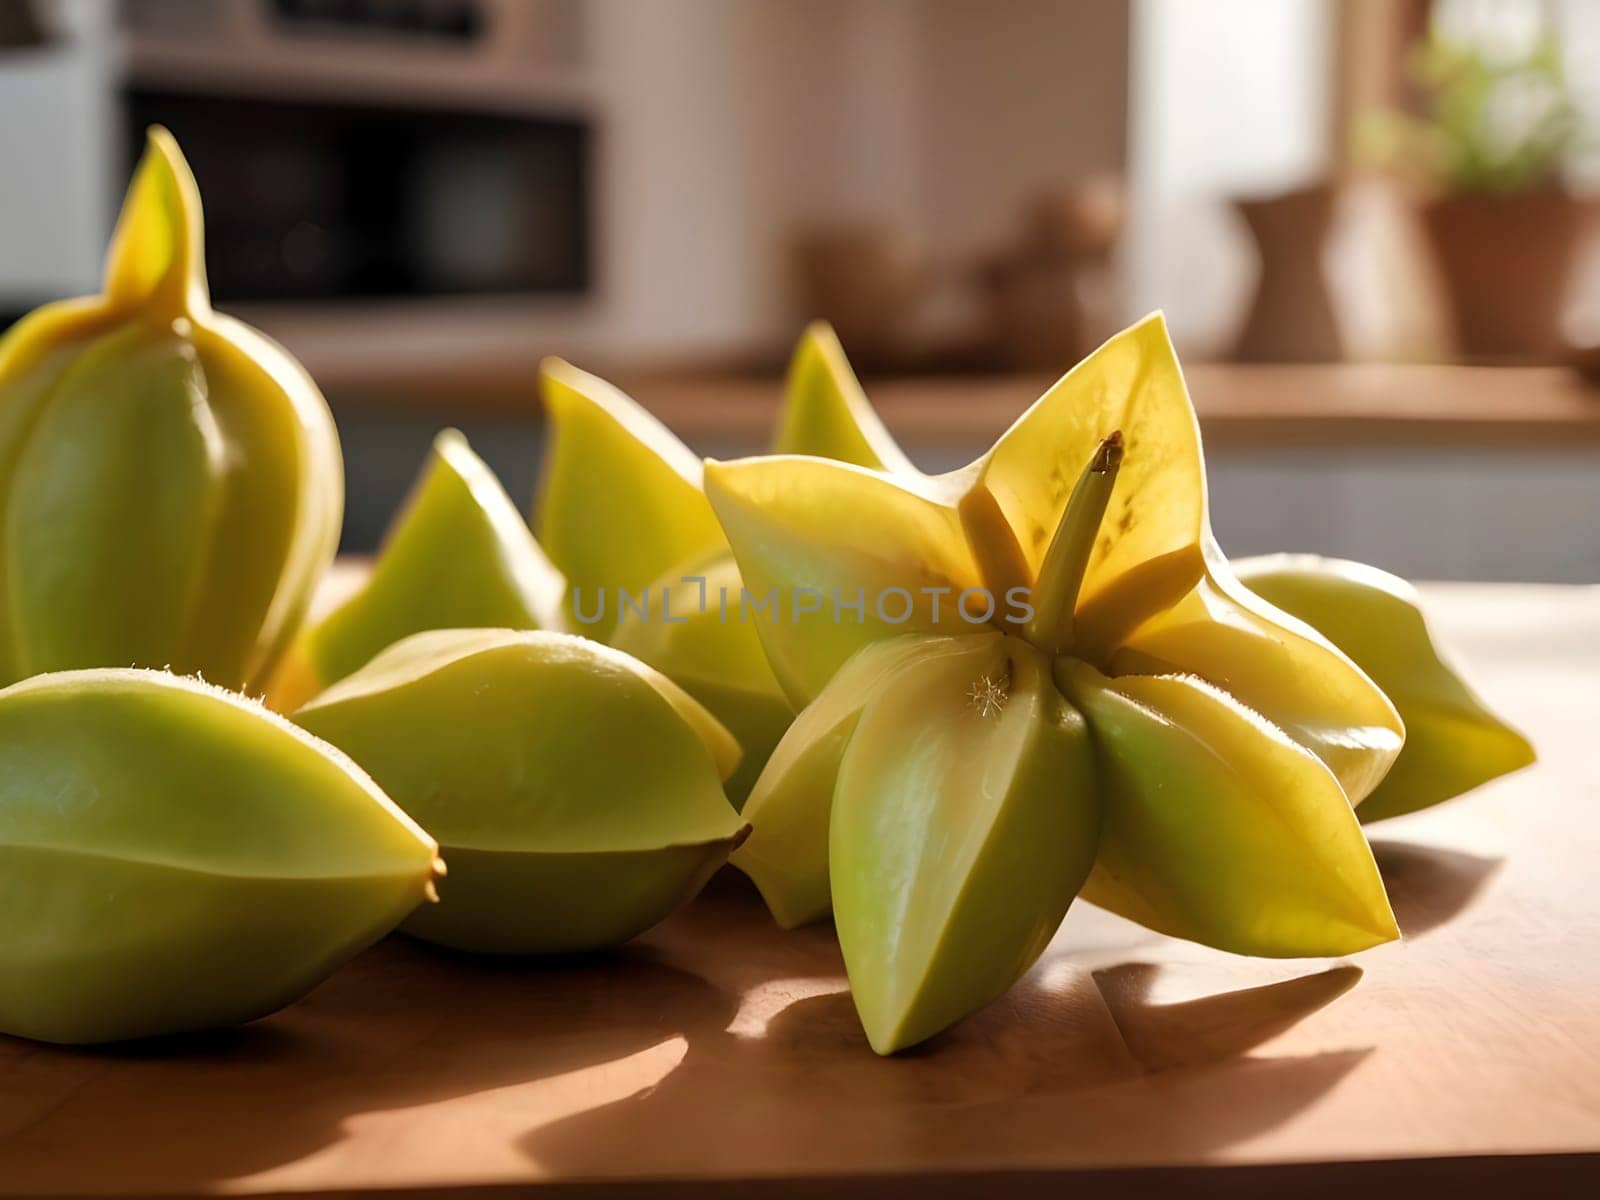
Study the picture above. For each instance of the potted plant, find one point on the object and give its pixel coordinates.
(1490, 143)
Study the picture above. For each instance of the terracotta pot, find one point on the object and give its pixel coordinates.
(1506, 262)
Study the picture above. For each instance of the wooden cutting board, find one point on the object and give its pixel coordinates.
(719, 1055)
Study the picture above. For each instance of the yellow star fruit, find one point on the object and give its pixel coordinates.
(1216, 743)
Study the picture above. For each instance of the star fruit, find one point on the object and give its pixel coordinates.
(458, 555)
(174, 857)
(577, 792)
(1454, 742)
(621, 510)
(961, 643)
(170, 479)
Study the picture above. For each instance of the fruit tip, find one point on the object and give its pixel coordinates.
(1108, 456)
(819, 329)
(713, 472)
(1526, 754)
(562, 386)
(161, 145)
(1386, 928)
(430, 886)
(1156, 317)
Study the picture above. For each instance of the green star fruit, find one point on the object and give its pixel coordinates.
(621, 509)
(457, 555)
(576, 791)
(1454, 741)
(170, 479)
(174, 857)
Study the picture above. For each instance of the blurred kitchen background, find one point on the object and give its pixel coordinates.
(1371, 223)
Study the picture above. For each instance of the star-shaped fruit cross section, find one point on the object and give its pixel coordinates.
(1036, 676)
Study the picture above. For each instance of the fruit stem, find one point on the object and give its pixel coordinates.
(1055, 592)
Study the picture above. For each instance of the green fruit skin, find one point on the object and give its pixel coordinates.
(1454, 741)
(1218, 827)
(457, 556)
(175, 858)
(170, 480)
(757, 722)
(786, 855)
(715, 657)
(176, 473)
(521, 902)
(628, 476)
(619, 501)
(959, 836)
(577, 789)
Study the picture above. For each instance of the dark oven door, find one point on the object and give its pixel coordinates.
(312, 201)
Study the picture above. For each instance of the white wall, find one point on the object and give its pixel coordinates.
(1017, 96)
(730, 123)
(1229, 97)
(56, 146)
(724, 126)
(727, 125)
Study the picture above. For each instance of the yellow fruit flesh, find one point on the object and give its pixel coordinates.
(1219, 828)
(692, 634)
(620, 503)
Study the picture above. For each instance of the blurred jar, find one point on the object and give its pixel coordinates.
(1292, 317)
(867, 280)
(1053, 296)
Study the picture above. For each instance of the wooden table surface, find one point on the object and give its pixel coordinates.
(718, 1050)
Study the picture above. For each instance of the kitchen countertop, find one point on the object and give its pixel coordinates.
(718, 1055)
(1273, 407)
(1367, 406)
